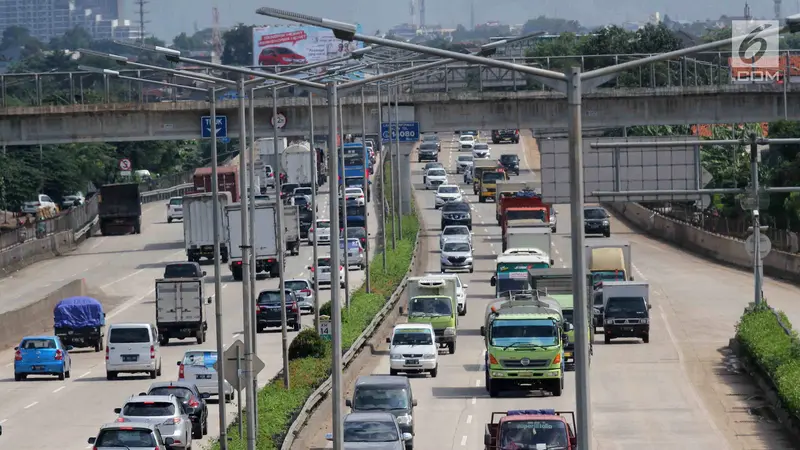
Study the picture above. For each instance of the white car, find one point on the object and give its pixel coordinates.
(455, 233)
(303, 192)
(465, 142)
(434, 178)
(413, 349)
(481, 151)
(321, 232)
(175, 209)
(197, 366)
(464, 163)
(69, 201)
(357, 194)
(324, 265)
(461, 290)
(447, 193)
(42, 202)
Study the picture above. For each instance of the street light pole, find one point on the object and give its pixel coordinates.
(758, 267)
(314, 187)
(392, 164)
(278, 161)
(399, 182)
(366, 189)
(382, 201)
(252, 199)
(343, 203)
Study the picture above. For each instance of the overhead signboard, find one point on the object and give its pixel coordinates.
(621, 169)
(409, 131)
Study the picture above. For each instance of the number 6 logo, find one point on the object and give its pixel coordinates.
(757, 41)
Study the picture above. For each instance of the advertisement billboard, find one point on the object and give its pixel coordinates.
(297, 44)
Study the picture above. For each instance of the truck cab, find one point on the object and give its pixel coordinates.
(540, 429)
(626, 310)
(489, 179)
(434, 301)
(609, 261)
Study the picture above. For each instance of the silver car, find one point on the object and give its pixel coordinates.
(464, 163)
(455, 233)
(372, 430)
(355, 253)
(304, 292)
(197, 366)
(456, 256)
(130, 436)
(165, 412)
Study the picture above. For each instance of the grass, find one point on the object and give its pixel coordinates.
(278, 407)
(777, 353)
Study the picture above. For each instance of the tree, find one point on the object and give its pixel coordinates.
(552, 26)
(238, 48)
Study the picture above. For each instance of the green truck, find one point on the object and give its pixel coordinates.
(556, 283)
(524, 345)
(433, 300)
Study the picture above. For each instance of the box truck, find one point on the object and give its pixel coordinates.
(228, 179)
(296, 162)
(198, 226)
(119, 209)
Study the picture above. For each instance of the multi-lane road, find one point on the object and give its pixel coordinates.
(670, 393)
(51, 414)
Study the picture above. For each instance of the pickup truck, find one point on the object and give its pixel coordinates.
(531, 429)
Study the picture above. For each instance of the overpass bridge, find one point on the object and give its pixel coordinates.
(441, 112)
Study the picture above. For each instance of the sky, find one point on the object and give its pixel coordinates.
(171, 17)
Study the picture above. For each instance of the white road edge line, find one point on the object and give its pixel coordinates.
(32, 405)
(56, 390)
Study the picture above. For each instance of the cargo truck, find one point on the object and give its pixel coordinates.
(291, 229)
(528, 237)
(508, 189)
(227, 176)
(434, 301)
(478, 167)
(266, 148)
(181, 309)
(119, 209)
(524, 208)
(266, 238)
(609, 261)
(296, 161)
(198, 226)
(488, 184)
(531, 429)
(626, 310)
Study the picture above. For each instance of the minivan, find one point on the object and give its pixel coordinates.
(133, 348)
(389, 393)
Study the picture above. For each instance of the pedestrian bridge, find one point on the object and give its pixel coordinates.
(440, 112)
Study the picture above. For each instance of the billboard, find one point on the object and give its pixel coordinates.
(298, 44)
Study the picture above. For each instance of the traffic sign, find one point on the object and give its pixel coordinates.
(409, 131)
(325, 328)
(125, 165)
(233, 360)
(221, 126)
(764, 245)
(281, 119)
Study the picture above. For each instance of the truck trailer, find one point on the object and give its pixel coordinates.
(198, 226)
(119, 209)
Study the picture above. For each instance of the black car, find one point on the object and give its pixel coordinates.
(456, 213)
(510, 134)
(358, 232)
(428, 151)
(432, 139)
(194, 403)
(184, 270)
(510, 163)
(287, 191)
(306, 218)
(596, 221)
(268, 312)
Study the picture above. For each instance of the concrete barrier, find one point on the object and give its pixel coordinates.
(36, 250)
(36, 318)
(715, 246)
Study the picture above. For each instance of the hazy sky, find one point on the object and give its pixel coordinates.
(171, 17)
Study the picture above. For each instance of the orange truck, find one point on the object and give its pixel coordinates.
(524, 208)
(531, 429)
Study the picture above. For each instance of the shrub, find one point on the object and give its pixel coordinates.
(307, 344)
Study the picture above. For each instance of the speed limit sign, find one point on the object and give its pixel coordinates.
(278, 120)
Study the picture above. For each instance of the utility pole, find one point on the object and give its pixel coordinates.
(142, 12)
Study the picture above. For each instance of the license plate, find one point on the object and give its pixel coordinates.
(412, 362)
(628, 329)
(37, 367)
(204, 377)
(130, 358)
(567, 355)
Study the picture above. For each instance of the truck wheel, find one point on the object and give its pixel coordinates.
(451, 347)
(558, 387)
(435, 371)
(200, 337)
(607, 339)
(98, 345)
(493, 387)
(137, 229)
(163, 340)
(237, 274)
(646, 338)
(393, 372)
(169, 219)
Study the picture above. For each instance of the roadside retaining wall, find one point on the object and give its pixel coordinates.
(36, 250)
(36, 317)
(715, 246)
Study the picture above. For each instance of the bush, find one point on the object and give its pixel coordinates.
(307, 344)
(765, 342)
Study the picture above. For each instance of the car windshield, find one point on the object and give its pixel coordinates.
(354, 191)
(356, 232)
(434, 306)
(456, 207)
(172, 201)
(436, 173)
(380, 398)
(456, 247)
(180, 271)
(324, 224)
(351, 243)
(535, 331)
(412, 337)
(296, 285)
(354, 182)
(136, 335)
(594, 213)
(481, 147)
(467, 138)
(428, 146)
(148, 409)
(431, 165)
(509, 158)
(36, 344)
(267, 297)
(130, 438)
(372, 431)
(448, 189)
(493, 176)
(178, 391)
(300, 200)
(465, 158)
(356, 210)
(324, 262)
(449, 231)
(302, 191)
(430, 138)
(526, 434)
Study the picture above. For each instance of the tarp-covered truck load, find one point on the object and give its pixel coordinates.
(79, 322)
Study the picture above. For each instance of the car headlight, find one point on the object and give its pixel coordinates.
(609, 321)
(605, 222)
(449, 331)
(469, 259)
(404, 419)
(645, 321)
(428, 356)
(395, 356)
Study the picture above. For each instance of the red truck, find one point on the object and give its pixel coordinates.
(228, 180)
(523, 207)
(531, 429)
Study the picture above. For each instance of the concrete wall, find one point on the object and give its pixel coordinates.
(721, 248)
(36, 250)
(36, 318)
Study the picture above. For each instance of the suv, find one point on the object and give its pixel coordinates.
(428, 151)
(596, 221)
(268, 310)
(456, 213)
(510, 163)
(386, 393)
(511, 135)
(130, 436)
(194, 402)
(175, 209)
(165, 412)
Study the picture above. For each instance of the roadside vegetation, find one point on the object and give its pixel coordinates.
(310, 356)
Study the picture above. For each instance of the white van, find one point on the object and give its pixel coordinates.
(132, 348)
(413, 349)
(461, 290)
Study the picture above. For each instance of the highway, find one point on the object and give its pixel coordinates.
(670, 393)
(124, 268)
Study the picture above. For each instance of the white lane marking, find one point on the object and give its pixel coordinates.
(494, 252)
(224, 285)
(167, 258)
(236, 335)
(3, 421)
(62, 387)
(555, 250)
(96, 244)
(477, 383)
(474, 400)
(469, 419)
(486, 230)
(9, 364)
(84, 375)
(464, 441)
(32, 405)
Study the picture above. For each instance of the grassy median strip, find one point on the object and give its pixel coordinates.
(777, 353)
(278, 407)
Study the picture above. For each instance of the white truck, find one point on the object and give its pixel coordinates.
(626, 310)
(296, 162)
(181, 309)
(434, 301)
(529, 238)
(266, 238)
(198, 226)
(266, 148)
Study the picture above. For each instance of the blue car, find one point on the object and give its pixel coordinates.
(42, 355)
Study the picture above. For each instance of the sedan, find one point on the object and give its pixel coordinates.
(304, 292)
(324, 272)
(321, 232)
(355, 253)
(481, 151)
(456, 256)
(428, 152)
(429, 166)
(42, 355)
(464, 163)
(447, 193)
(372, 430)
(455, 233)
(268, 310)
(434, 178)
(355, 194)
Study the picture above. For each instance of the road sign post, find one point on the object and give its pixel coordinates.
(325, 328)
(409, 131)
(233, 359)
(221, 126)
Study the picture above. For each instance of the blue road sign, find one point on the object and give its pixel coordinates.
(409, 131)
(221, 126)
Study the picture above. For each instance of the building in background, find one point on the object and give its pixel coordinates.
(46, 19)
